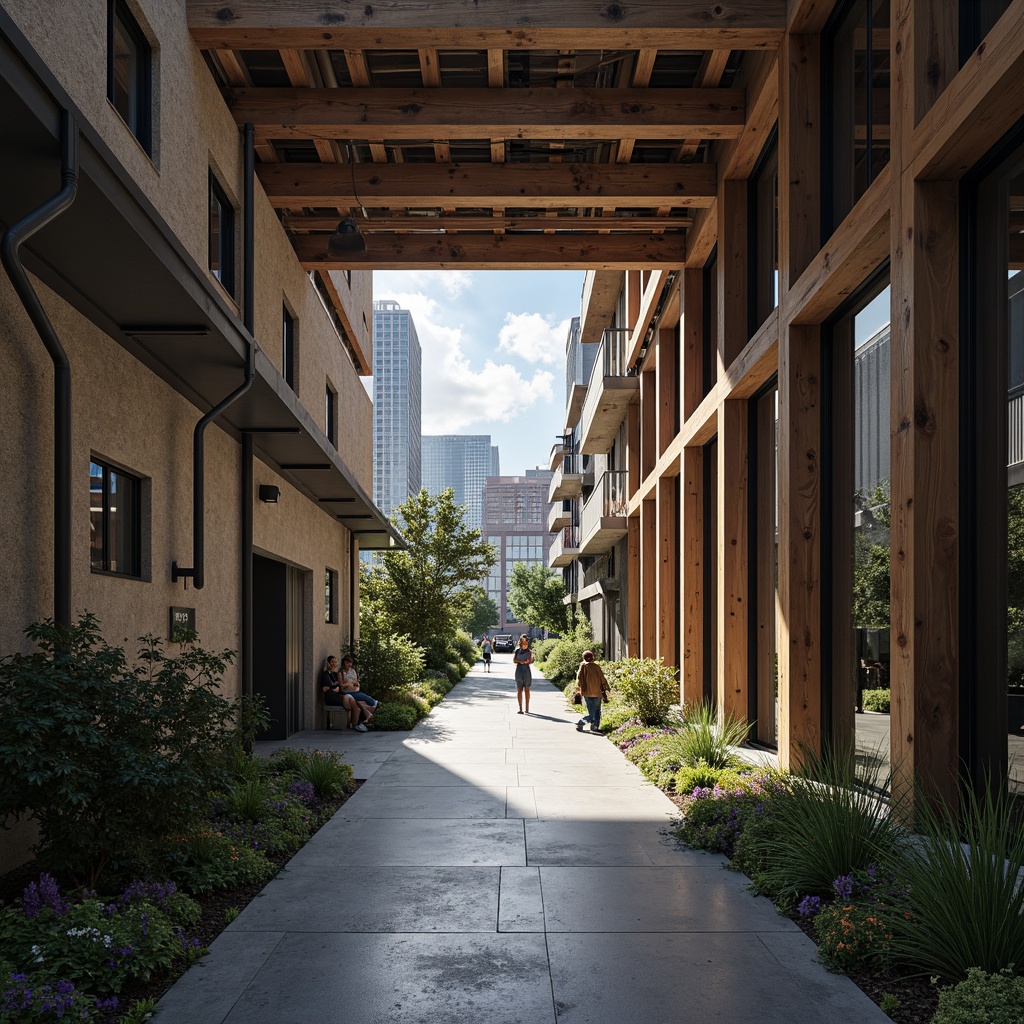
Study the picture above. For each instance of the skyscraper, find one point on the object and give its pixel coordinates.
(462, 462)
(397, 401)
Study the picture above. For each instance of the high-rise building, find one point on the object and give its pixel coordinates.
(462, 462)
(397, 402)
(516, 523)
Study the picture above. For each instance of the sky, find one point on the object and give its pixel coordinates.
(493, 346)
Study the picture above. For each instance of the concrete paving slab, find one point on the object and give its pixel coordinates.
(520, 904)
(727, 978)
(440, 755)
(333, 898)
(606, 803)
(520, 802)
(405, 773)
(654, 899)
(607, 843)
(400, 979)
(423, 802)
(379, 842)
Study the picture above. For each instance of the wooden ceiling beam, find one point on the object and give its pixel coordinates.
(537, 186)
(530, 24)
(503, 221)
(498, 252)
(417, 114)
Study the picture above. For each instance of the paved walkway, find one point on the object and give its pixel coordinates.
(498, 868)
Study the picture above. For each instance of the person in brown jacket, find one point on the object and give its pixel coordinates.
(592, 686)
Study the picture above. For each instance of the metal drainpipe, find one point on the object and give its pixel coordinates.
(248, 318)
(11, 258)
(198, 570)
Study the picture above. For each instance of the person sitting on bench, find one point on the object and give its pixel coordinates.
(365, 704)
(334, 695)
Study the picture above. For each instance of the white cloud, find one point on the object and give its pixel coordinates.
(452, 282)
(533, 337)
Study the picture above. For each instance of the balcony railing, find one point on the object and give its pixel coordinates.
(567, 481)
(612, 356)
(602, 569)
(604, 515)
(612, 387)
(565, 548)
(1015, 452)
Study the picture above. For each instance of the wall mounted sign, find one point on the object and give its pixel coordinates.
(182, 620)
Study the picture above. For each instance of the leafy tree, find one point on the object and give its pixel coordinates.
(422, 591)
(481, 611)
(871, 559)
(536, 596)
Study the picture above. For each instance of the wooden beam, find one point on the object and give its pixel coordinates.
(733, 270)
(633, 601)
(692, 598)
(738, 157)
(648, 610)
(712, 67)
(800, 539)
(733, 548)
(570, 251)
(465, 24)
(535, 186)
(668, 583)
(692, 341)
(648, 423)
(427, 113)
(382, 223)
(668, 386)
(809, 16)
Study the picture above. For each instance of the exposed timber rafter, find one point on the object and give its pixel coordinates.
(531, 24)
(405, 114)
(542, 186)
(498, 252)
(381, 223)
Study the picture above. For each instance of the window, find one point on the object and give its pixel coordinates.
(856, 108)
(764, 242)
(977, 17)
(330, 596)
(222, 237)
(115, 520)
(288, 347)
(129, 72)
(331, 415)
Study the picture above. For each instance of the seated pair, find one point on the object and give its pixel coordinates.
(341, 689)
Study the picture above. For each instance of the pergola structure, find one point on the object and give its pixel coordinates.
(535, 135)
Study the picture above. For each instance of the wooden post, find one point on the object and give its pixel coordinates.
(668, 387)
(648, 422)
(733, 314)
(800, 495)
(648, 579)
(692, 340)
(633, 610)
(668, 550)
(733, 551)
(692, 598)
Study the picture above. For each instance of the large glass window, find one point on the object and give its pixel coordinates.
(288, 347)
(764, 241)
(858, 361)
(709, 321)
(856, 108)
(115, 520)
(222, 236)
(711, 572)
(977, 17)
(129, 72)
(330, 596)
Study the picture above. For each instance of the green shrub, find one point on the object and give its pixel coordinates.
(387, 663)
(454, 672)
(467, 651)
(395, 717)
(247, 801)
(703, 776)
(965, 904)
(563, 660)
(659, 758)
(542, 650)
(327, 773)
(431, 673)
(109, 758)
(206, 860)
(288, 761)
(876, 700)
(647, 685)
(835, 823)
(615, 715)
(709, 739)
(438, 687)
(853, 937)
(982, 998)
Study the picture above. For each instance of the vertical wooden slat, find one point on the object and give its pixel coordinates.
(767, 596)
(633, 448)
(633, 587)
(936, 53)
(692, 598)
(692, 340)
(733, 559)
(648, 421)
(733, 314)
(668, 361)
(668, 541)
(800, 496)
(649, 578)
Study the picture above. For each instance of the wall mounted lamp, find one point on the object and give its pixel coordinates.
(270, 494)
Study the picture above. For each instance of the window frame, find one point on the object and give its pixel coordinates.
(288, 336)
(119, 14)
(331, 414)
(134, 520)
(224, 272)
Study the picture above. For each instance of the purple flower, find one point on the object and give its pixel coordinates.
(45, 894)
(844, 886)
(809, 906)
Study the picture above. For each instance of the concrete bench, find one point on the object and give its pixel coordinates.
(330, 710)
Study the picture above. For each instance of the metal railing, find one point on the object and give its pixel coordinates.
(1015, 422)
(614, 343)
(602, 569)
(608, 499)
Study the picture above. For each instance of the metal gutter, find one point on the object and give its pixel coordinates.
(10, 255)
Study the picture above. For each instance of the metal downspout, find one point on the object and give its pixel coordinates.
(10, 255)
(198, 570)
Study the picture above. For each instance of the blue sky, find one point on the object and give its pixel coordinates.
(493, 347)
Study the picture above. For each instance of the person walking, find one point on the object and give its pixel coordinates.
(593, 687)
(523, 658)
(485, 646)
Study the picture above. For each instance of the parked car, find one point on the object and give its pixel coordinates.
(503, 642)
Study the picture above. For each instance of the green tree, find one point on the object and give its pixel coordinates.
(536, 596)
(481, 611)
(422, 591)
(871, 565)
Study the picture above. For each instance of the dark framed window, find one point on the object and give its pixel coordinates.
(855, 87)
(222, 236)
(130, 72)
(330, 596)
(288, 347)
(710, 623)
(709, 322)
(115, 520)
(763, 219)
(331, 415)
(977, 17)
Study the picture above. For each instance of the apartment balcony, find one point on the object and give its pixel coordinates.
(561, 448)
(604, 519)
(600, 579)
(568, 479)
(560, 516)
(609, 394)
(565, 547)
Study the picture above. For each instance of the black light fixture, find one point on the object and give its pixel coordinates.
(270, 494)
(346, 238)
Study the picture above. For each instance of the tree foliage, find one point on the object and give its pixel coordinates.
(871, 559)
(481, 612)
(536, 596)
(422, 591)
